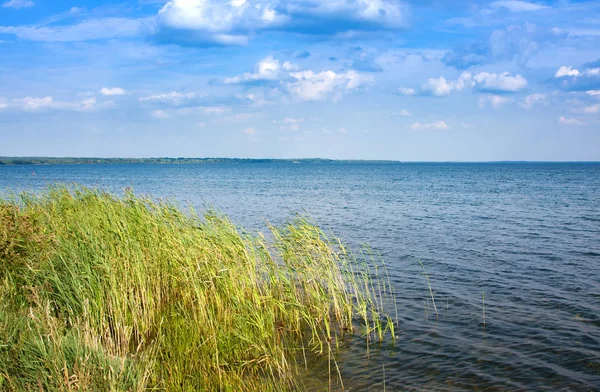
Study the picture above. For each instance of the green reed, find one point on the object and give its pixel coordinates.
(101, 292)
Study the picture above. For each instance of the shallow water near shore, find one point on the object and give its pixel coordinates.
(525, 235)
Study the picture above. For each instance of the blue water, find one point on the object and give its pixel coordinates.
(525, 235)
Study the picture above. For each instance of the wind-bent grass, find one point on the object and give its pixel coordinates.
(106, 293)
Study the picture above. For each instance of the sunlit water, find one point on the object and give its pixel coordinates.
(525, 235)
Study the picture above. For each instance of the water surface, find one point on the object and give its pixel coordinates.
(526, 235)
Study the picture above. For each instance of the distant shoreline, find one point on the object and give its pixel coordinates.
(16, 161)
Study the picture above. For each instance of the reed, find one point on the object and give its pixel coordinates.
(424, 273)
(101, 292)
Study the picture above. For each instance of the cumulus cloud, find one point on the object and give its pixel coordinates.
(502, 82)
(110, 91)
(533, 100)
(495, 101)
(33, 104)
(516, 5)
(268, 69)
(569, 121)
(405, 113)
(438, 87)
(584, 78)
(306, 85)
(566, 70)
(18, 4)
(483, 81)
(433, 125)
(213, 22)
(441, 87)
(219, 22)
(407, 91)
(313, 86)
(513, 43)
(250, 131)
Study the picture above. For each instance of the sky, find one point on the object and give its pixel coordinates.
(426, 80)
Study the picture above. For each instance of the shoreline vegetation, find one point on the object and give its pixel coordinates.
(11, 161)
(175, 161)
(101, 292)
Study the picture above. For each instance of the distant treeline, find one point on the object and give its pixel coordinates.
(79, 161)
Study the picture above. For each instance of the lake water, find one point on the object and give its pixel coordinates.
(525, 235)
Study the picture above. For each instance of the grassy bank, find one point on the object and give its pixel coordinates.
(106, 293)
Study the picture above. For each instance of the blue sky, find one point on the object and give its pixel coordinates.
(426, 80)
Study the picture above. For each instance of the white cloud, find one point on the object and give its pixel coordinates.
(232, 22)
(441, 87)
(201, 125)
(103, 28)
(342, 130)
(250, 131)
(172, 96)
(593, 93)
(87, 104)
(217, 22)
(592, 109)
(464, 80)
(218, 16)
(499, 82)
(566, 70)
(433, 125)
(516, 5)
(287, 66)
(569, 121)
(534, 99)
(17, 4)
(32, 104)
(291, 124)
(162, 114)
(311, 86)
(438, 87)
(268, 69)
(110, 91)
(495, 101)
(406, 91)
(405, 113)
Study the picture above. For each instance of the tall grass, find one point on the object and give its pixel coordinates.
(100, 292)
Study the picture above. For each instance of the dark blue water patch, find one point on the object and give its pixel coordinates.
(526, 236)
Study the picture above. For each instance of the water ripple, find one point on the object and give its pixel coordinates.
(525, 235)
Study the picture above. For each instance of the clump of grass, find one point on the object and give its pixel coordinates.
(107, 293)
